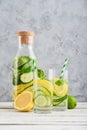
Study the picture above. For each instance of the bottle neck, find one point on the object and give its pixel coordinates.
(26, 46)
(25, 42)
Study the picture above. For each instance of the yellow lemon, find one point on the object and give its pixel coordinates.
(18, 89)
(45, 84)
(24, 101)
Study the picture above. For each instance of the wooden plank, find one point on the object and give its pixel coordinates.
(41, 127)
(75, 117)
(74, 112)
(28, 127)
(8, 105)
(42, 119)
(81, 105)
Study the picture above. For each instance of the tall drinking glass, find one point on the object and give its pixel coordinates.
(60, 92)
(43, 93)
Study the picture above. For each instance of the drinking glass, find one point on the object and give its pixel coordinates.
(60, 92)
(43, 92)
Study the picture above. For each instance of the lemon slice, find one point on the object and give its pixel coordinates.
(45, 84)
(61, 90)
(24, 101)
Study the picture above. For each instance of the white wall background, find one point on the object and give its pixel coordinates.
(60, 28)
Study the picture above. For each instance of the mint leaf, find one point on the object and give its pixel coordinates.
(59, 82)
(41, 74)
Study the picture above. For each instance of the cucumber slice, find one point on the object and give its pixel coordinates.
(41, 101)
(26, 77)
(55, 98)
(45, 91)
(55, 103)
(49, 102)
(19, 61)
(28, 67)
(22, 60)
(16, 77)
(16, 81)
(37, 93)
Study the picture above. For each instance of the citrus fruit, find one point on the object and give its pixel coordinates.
(60, 87)
(18, 89)
(46, 85)
(24, 101)
(72, 102)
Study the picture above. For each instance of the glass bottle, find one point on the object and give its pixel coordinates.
(24, 65)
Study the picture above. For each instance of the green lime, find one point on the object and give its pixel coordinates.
(72, 102)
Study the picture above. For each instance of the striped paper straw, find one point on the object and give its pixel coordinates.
(63, 69)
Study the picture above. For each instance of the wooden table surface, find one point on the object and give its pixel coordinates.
(75, 119)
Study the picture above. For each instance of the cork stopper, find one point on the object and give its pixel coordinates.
(25, 37)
